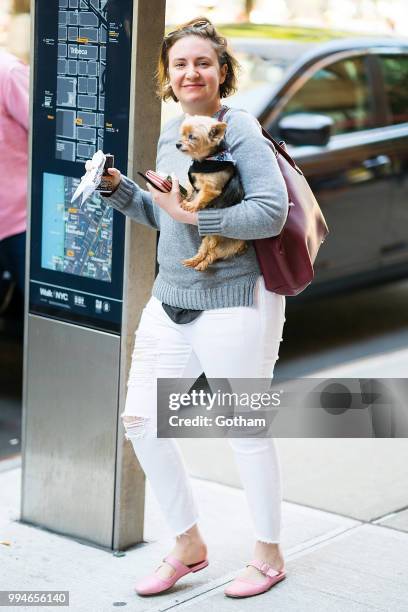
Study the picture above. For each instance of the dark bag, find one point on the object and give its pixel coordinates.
(286, 261)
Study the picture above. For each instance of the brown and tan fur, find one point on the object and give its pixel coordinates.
(199, 138)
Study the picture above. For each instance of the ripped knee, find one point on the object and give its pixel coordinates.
(135, 426)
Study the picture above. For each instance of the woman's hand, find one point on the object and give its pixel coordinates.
(170, 202)
(116, 176)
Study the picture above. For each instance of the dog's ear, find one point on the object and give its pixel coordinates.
(218, 129)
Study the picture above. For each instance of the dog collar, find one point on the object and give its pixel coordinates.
(222, 156)
(220, 160)
(209, 165)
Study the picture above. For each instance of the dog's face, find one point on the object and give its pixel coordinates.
(200, 136)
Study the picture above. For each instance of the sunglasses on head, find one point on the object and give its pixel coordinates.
(198, 26)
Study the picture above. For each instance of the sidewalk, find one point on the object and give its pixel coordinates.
(333, 562)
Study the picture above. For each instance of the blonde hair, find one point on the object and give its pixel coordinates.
(200, 26)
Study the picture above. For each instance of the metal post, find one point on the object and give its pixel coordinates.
(80, 475)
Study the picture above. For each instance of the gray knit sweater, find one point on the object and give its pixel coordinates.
(261, 214)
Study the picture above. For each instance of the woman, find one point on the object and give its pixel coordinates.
(14, 117)
(222, 322)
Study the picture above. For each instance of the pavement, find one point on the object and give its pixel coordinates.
(333, 561)
(345, 522)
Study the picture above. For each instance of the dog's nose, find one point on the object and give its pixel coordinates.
(178, 145)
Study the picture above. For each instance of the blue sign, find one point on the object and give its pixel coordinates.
(81, 103)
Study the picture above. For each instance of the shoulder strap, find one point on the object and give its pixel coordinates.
(277, 146)
(223, 112)
(281, 150)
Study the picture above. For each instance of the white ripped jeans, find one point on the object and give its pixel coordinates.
(237, 342)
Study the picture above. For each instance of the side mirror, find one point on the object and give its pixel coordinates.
(302, 129)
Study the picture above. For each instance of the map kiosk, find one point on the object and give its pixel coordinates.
(89, 270)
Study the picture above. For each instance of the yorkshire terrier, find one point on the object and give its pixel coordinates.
(214, 182)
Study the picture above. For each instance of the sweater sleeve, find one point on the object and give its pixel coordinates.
(135, 203)
(263, 211)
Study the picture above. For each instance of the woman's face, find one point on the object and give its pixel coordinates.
(195, 74)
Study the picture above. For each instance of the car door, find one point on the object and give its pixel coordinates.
(350, 175)
(394, 74)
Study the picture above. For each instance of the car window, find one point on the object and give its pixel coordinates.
(340, 91)
(395, 72)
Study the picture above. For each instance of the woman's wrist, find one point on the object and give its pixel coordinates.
(192, 218)
(116, 187)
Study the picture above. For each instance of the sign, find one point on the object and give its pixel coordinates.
(80, 104)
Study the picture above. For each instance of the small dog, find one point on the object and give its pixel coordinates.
(214, 182)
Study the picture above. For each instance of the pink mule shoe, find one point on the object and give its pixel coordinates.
(153, 584)
(242, 587)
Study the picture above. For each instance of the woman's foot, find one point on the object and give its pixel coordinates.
(270, 553)
(253, 581)
(189, 548)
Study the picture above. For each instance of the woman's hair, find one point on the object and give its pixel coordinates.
(200, 26)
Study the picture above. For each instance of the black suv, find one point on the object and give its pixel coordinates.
(342, 107)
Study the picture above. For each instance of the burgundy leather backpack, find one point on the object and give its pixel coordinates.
(286, 261)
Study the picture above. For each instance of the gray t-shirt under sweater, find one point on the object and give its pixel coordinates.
(261, 214)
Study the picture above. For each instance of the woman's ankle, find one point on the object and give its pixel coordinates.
(190, 538)
(269, 552)
(192, 551)
(190, 543)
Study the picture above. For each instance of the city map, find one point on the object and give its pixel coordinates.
(79, 240)
(81, 97)
(80, 103)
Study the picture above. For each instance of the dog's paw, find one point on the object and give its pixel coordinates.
(188, 206)
(190, 263)
(195, 262)
(202, 266)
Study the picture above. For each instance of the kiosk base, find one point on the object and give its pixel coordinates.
(74, 444)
